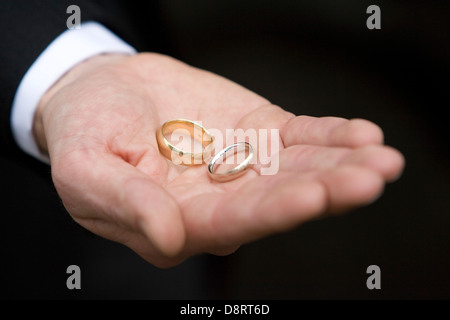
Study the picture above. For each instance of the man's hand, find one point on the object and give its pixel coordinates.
(98, 124)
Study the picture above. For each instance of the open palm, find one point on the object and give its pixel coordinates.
(100, 123)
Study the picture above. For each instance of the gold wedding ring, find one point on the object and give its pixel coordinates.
(188, 128)
(236, 171)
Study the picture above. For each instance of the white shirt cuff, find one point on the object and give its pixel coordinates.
(68, 49)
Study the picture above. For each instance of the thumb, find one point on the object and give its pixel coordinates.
(104, 187)
(146, 207)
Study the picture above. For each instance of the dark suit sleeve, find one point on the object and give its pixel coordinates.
(28, 27)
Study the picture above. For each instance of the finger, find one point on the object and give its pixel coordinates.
(273, 204)
(102, 186)
(302, 158)
(265, 205)
(305, 196)
(330, 131)
(350, 186)
(384, 160)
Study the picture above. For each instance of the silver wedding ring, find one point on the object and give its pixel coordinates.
(236, 171)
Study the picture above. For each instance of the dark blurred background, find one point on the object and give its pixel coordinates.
(314, 58)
